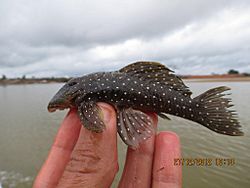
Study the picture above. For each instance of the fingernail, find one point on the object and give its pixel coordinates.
(106, 112)
(169, 138)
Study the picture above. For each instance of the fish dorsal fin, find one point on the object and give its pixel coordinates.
(90, 116)
(158, 73)
(134, 126)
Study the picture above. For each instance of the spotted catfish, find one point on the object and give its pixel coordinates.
(139, 88)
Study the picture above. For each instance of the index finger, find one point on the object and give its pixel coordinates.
(165, 173)
(60, 152)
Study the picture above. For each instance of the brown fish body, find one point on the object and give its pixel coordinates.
(139, 88)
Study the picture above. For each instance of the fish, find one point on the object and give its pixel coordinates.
(141, 88)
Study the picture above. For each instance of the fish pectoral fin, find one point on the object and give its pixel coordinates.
(134, 126)
(90, 115)
(156, 72)
(164, 116)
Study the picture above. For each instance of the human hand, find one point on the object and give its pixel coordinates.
(81, 158)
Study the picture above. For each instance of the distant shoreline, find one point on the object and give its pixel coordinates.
(218, 79)
(195, 78)
(18, 81)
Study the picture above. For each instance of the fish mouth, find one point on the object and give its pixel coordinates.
(58, 103)
(53, 108)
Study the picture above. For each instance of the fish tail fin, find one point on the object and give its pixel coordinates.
(212, 111)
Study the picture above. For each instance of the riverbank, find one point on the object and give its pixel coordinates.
(193, 78)
(16, 81)
(218, 79)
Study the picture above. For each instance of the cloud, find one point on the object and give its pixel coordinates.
(57, 38)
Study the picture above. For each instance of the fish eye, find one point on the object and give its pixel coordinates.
(72, 83)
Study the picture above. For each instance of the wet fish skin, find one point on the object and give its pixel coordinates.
(139, 88)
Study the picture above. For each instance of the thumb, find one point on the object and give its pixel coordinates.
(93, 162)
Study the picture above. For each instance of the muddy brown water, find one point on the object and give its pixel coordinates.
(27, 131)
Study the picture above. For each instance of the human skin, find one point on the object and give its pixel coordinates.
(81, 158)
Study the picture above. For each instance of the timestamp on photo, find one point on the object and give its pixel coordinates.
(204, 162)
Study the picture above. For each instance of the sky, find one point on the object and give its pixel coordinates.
(72, 38)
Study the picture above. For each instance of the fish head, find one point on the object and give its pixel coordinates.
(65, 97)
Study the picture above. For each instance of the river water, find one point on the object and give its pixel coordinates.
(27, 131)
